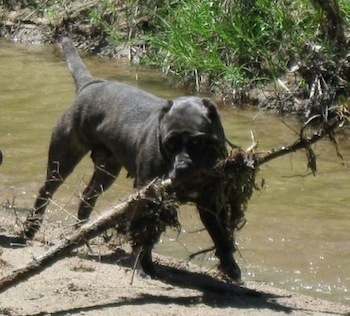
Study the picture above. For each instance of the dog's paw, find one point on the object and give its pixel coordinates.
(31, 226)
(144, 275)
(232, 271)
(145, 265)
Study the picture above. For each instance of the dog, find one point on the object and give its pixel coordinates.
(123, 126)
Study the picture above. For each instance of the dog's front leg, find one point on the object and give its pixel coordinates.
(145, 257)
(214, 222)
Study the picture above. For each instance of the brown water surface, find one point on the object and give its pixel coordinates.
(297, 234)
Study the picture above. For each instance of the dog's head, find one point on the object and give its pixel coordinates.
(191, 139)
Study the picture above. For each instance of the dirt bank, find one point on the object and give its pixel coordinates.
(44, 25)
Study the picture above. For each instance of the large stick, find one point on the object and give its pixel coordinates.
(124, 211)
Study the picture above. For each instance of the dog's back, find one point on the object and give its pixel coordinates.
(75, 64)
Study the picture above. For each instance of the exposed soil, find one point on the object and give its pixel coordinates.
(26, 25)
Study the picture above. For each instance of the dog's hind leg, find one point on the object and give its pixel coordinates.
(106, 171)
(61, 162)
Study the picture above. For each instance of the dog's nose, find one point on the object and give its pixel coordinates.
(183, 167)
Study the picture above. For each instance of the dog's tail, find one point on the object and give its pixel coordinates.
(75, 64)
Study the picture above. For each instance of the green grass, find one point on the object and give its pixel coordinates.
(243, 41)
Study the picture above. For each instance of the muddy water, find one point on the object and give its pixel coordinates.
(297, 231)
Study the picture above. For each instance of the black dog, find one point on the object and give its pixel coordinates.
(150, 137)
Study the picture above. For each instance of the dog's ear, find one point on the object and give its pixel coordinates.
(214, 117)
(168, 106)
(165, 109)
(212, 113)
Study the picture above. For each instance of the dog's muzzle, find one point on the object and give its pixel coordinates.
(183, 168)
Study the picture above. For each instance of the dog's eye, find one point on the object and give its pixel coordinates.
(173, 144)
(196, 143)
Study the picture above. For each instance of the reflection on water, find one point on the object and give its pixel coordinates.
(297, 234)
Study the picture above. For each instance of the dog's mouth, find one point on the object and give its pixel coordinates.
(188, 177)
(191, 187)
